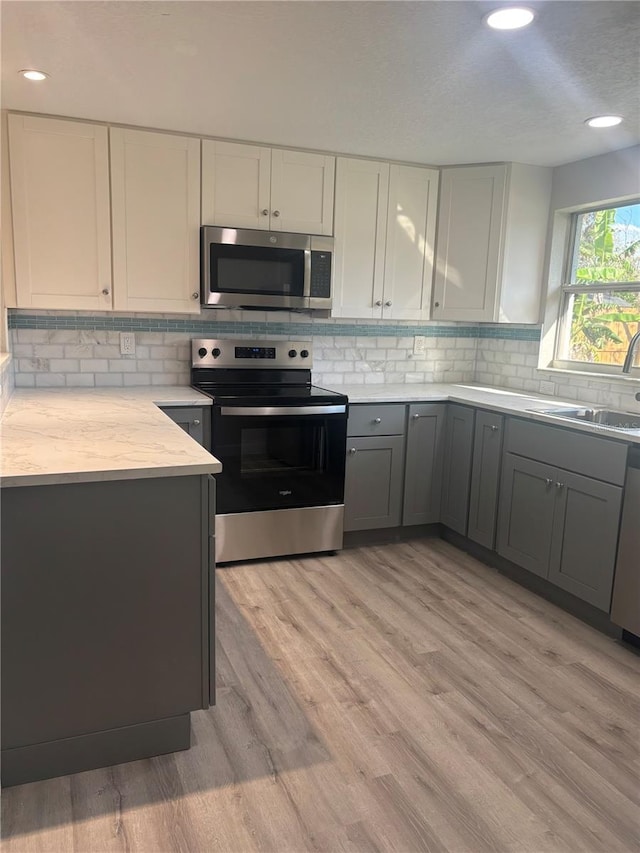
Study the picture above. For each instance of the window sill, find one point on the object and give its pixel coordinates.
(592, 374)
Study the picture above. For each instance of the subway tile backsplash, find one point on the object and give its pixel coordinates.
(71, 349)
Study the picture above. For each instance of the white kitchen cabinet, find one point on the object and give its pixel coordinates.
(492, 227)
(248, 186)
(385, 229)
(155, 187)
(59, 174)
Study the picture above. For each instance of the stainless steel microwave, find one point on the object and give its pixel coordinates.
(242, 268)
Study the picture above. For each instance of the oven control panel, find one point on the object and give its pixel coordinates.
(250, 353)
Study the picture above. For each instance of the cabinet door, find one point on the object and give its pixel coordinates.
(526, 513)
(302, 192)
(155, 185)
(456, 477)
(190, 418)
(60, 199)
(362, 189)
(411, 225)
(423, 479)
(470, 227)
(236, 185)
(585, 537)
(485, 478)
(373, 484)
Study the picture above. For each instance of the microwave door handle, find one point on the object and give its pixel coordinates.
(262, 411)
(307, 274)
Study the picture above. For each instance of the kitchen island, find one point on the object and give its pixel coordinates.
(107, 574)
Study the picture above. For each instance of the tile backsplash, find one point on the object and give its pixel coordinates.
(6, 379)
(67, 349)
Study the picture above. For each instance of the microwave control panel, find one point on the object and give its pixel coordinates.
(320, 274)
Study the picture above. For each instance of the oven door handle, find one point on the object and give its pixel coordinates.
(262, 411)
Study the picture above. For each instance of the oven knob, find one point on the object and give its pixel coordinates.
(202, 352)
(293, 353)
(215, 352)
(304, 353)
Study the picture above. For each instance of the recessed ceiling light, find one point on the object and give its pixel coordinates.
(32, 74)
(603, 121)
(509, 18)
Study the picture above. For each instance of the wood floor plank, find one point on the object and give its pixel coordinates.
(396, 698)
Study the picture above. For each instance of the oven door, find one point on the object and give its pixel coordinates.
(279, 457)
(255, 268)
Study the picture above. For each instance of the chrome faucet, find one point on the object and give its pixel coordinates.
(628, 360)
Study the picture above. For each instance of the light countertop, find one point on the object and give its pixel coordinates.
(496, 399)
(77, 435)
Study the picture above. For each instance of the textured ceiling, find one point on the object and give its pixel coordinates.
(418, 81)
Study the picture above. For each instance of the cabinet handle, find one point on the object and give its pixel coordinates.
(377, 420)
(105, 291)
(265, 212)
(195, 295)
(352, 451)
(378, 302)
(276, 213)
(388, 303)
(548, 481)
(196, 422)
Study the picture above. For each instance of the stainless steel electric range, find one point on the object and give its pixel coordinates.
(281, 441)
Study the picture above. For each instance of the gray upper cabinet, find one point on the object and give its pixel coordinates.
(423, 479)
(485, 478)
(191, 419)
(458, 450)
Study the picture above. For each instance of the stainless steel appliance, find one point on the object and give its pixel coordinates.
(281, 441)
(625, 605)
(242, 268)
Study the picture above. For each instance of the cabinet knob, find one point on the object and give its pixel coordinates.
(416, 417)
(494, 428)
(265, 212)
(352, 450)
(548, 481)
(559, 485)
(195, 295)
(378, 302)
(196, 422)
(377, 420)
(105, 291)
(388, 303)
(436, 304)
(276, 213)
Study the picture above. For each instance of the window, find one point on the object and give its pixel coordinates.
(601, 289)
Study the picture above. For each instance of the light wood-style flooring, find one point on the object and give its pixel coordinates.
(394, 698)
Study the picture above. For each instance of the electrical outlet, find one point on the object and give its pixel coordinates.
(547, 388)
(419, 345)
(127, 343)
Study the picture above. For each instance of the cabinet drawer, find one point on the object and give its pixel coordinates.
(376, 420)
(571, 450)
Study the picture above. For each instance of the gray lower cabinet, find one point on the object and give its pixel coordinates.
(373, 482)
(456, 479)
(423, 476)
(561, 526)
(107, 618)
(485, 478)
(583, 550)
(191, 419)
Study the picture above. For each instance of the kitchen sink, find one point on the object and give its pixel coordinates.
(603, 417)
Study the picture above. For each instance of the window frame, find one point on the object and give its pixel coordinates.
(567, 289)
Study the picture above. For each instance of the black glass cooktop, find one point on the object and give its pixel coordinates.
(266, 395)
